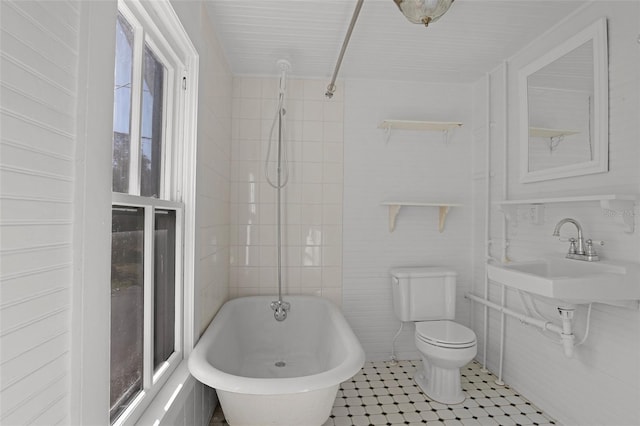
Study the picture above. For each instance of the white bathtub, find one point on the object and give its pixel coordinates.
(238, 353)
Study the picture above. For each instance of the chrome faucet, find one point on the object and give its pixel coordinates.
(280, 309)
(577, 249)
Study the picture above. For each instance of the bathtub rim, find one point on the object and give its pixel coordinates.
(218, 379)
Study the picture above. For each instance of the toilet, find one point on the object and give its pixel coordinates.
(427, 297)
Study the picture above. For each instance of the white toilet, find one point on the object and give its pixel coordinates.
(427, 296)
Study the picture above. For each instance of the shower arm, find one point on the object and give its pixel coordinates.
(331, 88)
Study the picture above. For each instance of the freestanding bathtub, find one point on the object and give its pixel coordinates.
(277, 373)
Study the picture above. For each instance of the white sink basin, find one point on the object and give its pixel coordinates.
(571, 281)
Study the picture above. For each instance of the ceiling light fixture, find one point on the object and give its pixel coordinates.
(423, 11)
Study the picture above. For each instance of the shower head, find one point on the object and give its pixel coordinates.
(284, 66)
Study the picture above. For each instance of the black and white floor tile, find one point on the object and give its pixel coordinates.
(386, 395)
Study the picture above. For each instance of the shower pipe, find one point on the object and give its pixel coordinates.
(331, 88)
(279, 307)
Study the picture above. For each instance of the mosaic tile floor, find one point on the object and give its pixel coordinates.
(384, 395)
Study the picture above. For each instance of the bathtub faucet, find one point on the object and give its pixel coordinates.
(280, 309)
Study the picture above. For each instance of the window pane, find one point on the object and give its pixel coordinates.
(122, 105)
(164, 286)
(127, 306)
(152, 123)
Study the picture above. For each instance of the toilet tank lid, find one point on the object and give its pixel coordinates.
(422, 271)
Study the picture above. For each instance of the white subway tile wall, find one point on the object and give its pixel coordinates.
(212, 204)
(214, 177)
(312, 198)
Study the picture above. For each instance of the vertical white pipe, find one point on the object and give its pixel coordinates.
(505, 169)
(568, 338)
(505, 187)
(487, 233)
(503, 293)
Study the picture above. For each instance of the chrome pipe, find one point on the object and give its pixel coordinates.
(331, 88)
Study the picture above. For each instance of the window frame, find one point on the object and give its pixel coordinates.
(177, 182)
(145, 33)
(153, 379)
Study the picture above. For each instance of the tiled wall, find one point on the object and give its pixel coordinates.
(412, 165)
(312, 199)
(214, 173)
(601, 383)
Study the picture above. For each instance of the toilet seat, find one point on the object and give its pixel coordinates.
(445, 334)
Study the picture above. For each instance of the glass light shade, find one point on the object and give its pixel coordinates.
(423, 11)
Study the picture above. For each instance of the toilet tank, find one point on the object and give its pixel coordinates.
(423, 293)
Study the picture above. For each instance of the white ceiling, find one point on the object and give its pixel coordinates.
(472, 38)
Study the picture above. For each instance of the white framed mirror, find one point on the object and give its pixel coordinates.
(564, 109)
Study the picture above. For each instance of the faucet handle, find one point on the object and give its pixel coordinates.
(572, 246)
(590, 252)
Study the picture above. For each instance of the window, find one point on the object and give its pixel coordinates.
(148, 228)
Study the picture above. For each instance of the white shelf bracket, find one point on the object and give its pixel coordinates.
(554, 141)
(510, 213)
(394, 209)
(442, 217)
(395, 206)
(387, 134)
(622, 211)
(447, 133)
(445, 136)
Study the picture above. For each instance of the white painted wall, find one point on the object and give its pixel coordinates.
(413, 165)
(214, 163)
(601, 384)
(38, 119)
(51, 142)
(197, 401)
(55, 192)
(312, 199)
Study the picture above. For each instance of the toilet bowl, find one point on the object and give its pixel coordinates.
(444, 347)
(426, 296)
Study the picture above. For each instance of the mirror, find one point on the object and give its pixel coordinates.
(564, 109)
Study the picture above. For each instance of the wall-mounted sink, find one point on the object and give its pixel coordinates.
(571, 281)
